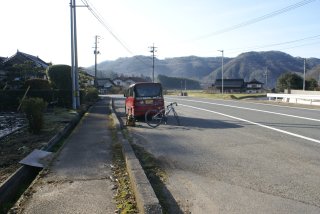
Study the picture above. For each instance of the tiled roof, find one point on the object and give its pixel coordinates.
(254, 81)
(24, 57)
(230, 83)
(2, 59)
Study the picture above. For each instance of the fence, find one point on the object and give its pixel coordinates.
(296, 98)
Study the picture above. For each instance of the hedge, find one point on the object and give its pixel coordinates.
(10, 99)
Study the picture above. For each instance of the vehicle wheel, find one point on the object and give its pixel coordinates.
(153, 118)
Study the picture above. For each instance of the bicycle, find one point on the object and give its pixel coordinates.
(154, 117)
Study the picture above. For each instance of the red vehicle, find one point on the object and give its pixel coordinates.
(140, 97)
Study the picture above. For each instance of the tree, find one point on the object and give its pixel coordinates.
(60, 76)
(178, 83)
(37, 84)
(311, 84)
(27, 69)
(289, 81)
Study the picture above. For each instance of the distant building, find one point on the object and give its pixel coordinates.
(20, 58)
(238, 86)
(125, 82)
(254, 86)
(230, 85)
(104, 85)
(2, 71)
(13, 77)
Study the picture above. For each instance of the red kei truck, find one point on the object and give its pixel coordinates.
(141, 97)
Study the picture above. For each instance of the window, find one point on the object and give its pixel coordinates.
(148, 90)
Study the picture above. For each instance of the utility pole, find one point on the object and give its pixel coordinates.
(266, 74)
(304, 73)
(153, 50)
(74, 100)
(221, 71)
(74, 56)
(96, 52)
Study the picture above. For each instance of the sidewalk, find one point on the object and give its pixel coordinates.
(78, 180)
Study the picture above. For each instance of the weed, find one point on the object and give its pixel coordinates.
(156, 175)
(124, 196)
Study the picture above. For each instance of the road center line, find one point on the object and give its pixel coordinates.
(251, 109)
(257, 124)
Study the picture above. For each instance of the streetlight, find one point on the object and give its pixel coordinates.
(304, 74)
(221, 71)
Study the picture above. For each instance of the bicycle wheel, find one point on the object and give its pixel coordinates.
(153, 117)
(175, 114)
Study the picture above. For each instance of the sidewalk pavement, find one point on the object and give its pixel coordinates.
(78, 179)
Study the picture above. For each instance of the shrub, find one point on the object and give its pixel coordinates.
(60, 76)
(37, 84)
(33, 108)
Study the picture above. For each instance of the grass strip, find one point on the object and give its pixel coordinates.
(156, 176)
(124, 197)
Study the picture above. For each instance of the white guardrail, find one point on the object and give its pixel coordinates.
(296, 98)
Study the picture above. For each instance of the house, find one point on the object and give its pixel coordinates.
(239, 86)
(20, 58)
(230, 85)
(12, 75)
(104, 84)
(85, 78)
(2, 71)
(254, 86)
(125, 82)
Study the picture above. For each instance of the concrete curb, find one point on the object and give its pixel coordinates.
(147, 200)
(26, 174)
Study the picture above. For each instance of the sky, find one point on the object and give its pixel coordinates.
(176, 28)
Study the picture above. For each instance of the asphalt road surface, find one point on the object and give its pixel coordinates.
(238, 157)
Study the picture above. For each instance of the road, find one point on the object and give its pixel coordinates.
(238, 157)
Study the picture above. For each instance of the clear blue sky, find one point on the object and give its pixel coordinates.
(176, 27)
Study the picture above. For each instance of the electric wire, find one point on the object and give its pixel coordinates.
(258, 19)
(235, 50)
(97, 15)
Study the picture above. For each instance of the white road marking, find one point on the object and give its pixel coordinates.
(257, 124)
(266, 104)
(251, 109)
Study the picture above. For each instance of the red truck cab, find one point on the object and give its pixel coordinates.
(140, 97)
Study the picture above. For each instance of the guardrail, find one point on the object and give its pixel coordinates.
(296, 98)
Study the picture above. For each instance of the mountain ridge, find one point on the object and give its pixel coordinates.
(249, 65)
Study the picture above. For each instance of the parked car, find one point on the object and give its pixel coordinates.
(140, 97)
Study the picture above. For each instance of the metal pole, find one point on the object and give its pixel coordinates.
(152, 51)
(304, 74)
(95, 60)
(74, 104)
(266, 77)
(76, 57)
(153, 64)
(221, 71)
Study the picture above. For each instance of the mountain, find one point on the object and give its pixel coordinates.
(255, 65)
(250, 65)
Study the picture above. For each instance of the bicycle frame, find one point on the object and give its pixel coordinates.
(155, 117)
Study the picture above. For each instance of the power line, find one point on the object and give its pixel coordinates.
(234, 50)
(300, 45)
(258, 19)
(97, 15)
